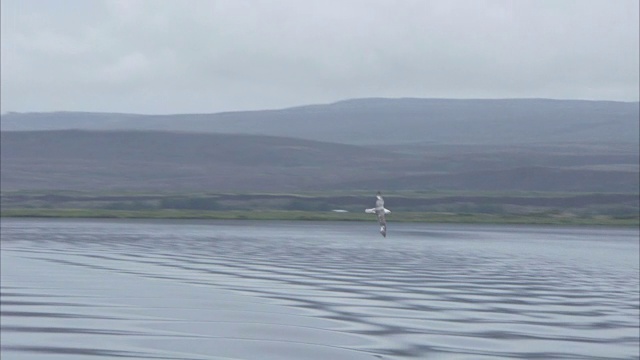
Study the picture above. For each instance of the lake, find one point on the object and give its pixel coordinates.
(104, 289)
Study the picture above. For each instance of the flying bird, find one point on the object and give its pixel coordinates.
(380, 211)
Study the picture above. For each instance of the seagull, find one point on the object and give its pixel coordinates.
(380, 211)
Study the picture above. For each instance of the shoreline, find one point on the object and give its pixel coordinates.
(415, 217)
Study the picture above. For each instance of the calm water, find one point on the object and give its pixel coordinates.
(303, 290)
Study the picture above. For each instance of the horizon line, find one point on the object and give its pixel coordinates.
(315, 104)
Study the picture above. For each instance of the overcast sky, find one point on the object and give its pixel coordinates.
(160, 57)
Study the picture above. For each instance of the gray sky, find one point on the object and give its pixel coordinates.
(159, 57)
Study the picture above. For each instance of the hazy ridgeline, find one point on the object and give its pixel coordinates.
(378, 121)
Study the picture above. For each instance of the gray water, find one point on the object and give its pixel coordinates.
(76, 289)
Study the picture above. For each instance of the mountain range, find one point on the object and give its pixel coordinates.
(360, 144)
(377, 121)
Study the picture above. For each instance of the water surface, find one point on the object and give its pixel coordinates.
(75, 289)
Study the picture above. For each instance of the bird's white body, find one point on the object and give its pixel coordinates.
(381, 211)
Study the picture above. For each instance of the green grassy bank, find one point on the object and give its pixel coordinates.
(608, 209)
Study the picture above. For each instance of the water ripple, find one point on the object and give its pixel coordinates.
(317, 291)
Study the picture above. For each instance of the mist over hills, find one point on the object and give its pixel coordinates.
(384, 121)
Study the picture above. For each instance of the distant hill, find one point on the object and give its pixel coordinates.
(177, 161)
(385, 121)
(542, 179)
(134, 160)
